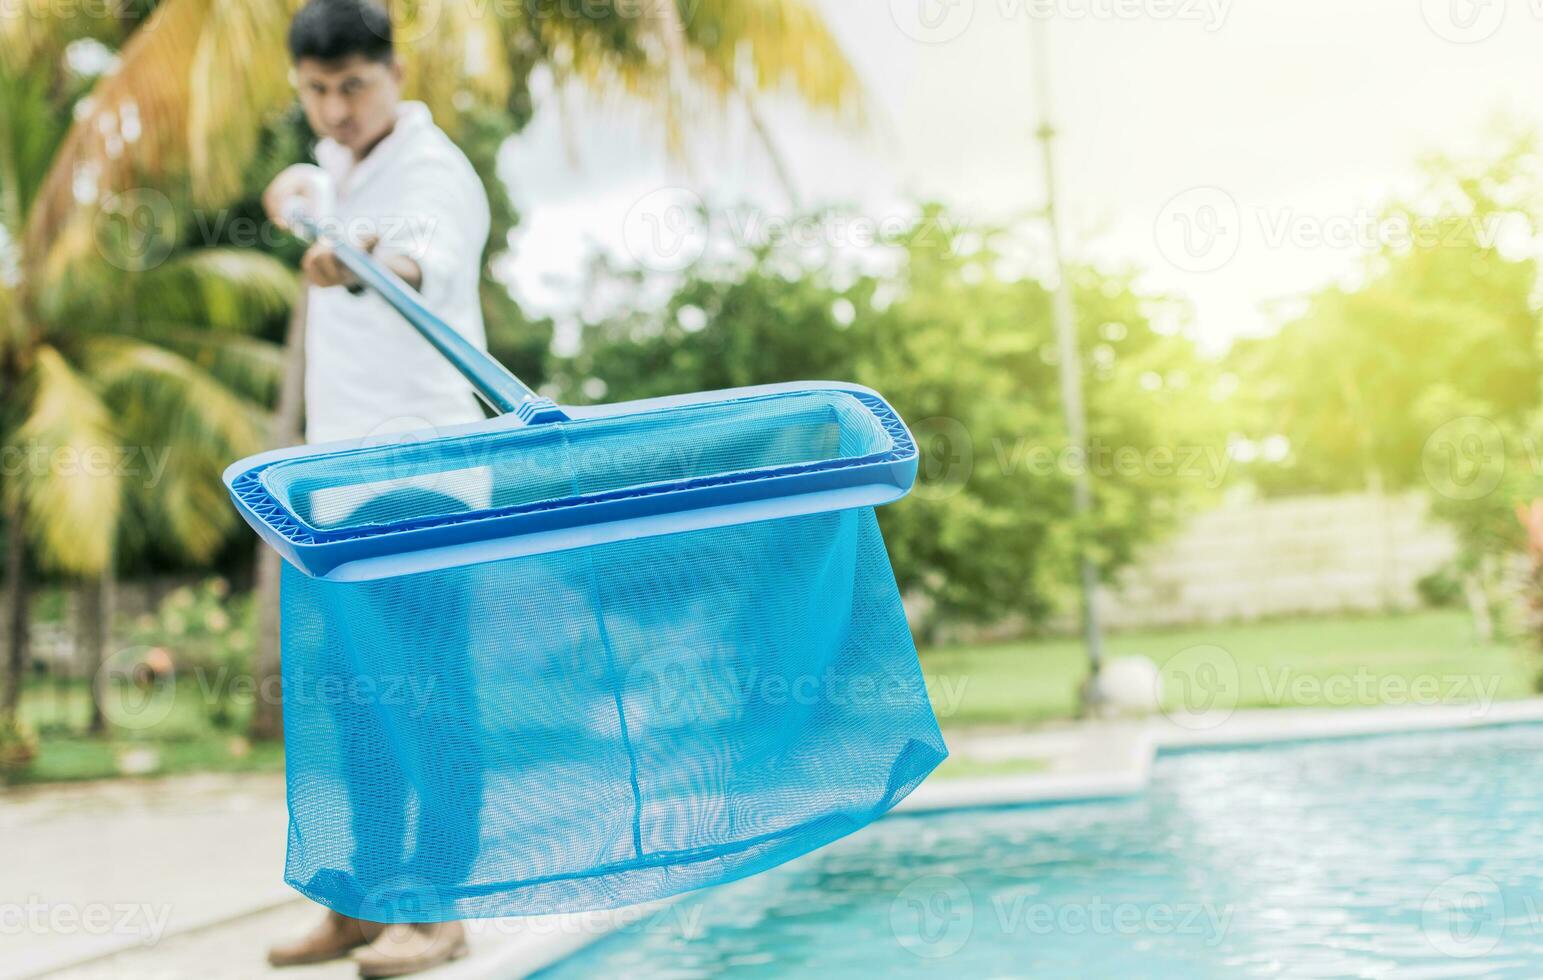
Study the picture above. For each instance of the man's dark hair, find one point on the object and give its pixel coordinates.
(332, 30)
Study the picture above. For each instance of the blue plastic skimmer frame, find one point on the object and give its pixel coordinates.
(656, 645)
(883, 473)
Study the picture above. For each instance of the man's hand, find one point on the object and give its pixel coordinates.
(303, 181)
(322, 267)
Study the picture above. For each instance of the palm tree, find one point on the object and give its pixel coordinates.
(129, 371)
(202, 81)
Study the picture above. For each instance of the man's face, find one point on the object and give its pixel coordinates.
(353, 101)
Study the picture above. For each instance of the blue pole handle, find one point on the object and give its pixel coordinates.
(505, 392)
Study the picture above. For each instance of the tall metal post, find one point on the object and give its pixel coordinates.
(1065, 316)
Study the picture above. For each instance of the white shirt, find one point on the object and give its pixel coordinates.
(368, 372)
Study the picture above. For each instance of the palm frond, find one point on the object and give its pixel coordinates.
(453, 55)
(144, 379)
(193, 86)
(239, 76)
(673, 58)
(11, 327)
(225, 288)
(135, 123)
(30, 130)
(69, 484)
(181, 418)
(783, 43)
(248, 366)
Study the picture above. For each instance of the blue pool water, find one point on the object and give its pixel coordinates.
(1407, 856)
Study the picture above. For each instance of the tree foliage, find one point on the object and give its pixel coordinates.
(1442, 323)
(963, 345)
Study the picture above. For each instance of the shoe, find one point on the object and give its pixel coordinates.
(333, 939)
(408, 947)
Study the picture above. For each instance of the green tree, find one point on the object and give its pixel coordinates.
(1442, 319)
(129, 377)
(964, 347)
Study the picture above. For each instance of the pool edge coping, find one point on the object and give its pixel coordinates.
(1135, 745)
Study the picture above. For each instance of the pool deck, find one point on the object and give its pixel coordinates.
(188, 865)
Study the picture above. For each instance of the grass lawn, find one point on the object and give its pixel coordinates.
(154, 738)
(69, 758)
(1420, 657)
(1427, 657)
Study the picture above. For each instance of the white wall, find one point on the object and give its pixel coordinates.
(1283, 557)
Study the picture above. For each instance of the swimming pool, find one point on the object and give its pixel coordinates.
(1408, 855)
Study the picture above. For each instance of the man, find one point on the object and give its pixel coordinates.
(399, 187)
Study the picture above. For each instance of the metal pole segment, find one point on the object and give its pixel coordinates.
(1065, 317)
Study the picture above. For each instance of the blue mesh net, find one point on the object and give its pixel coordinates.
(599, 726)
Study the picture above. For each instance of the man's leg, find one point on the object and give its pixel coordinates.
(377, 818)
(449, 822)
(428, 698)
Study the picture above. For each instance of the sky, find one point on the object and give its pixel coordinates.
(1234, 152)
